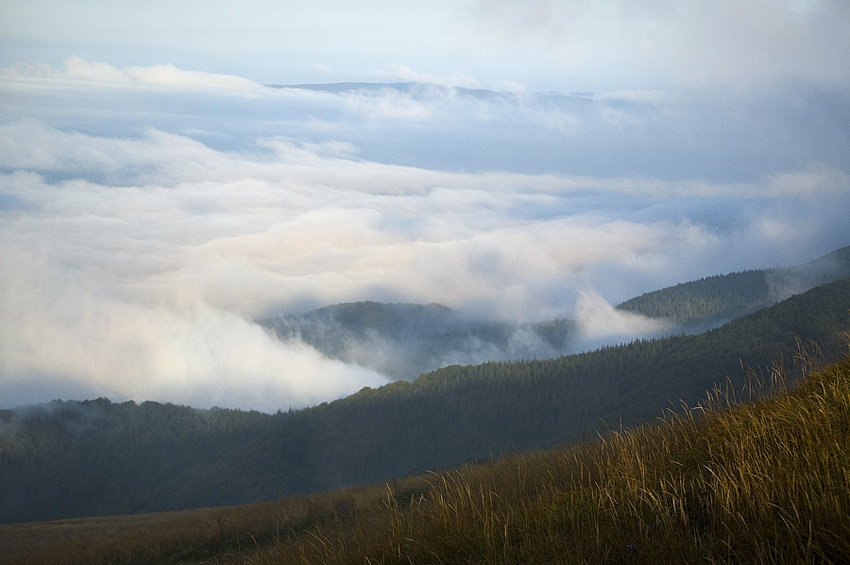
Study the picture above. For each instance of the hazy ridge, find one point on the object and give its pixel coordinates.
(402, 341)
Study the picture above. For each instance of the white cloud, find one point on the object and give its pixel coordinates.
(707, 42)
(322, 68)
(65, 321)
(602, 324)
(404, 73)
(391, 104)
(135, 252)
(80, 71)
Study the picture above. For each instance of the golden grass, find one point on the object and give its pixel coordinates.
(762, 481)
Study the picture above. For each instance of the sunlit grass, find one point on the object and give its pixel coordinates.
(766, 481)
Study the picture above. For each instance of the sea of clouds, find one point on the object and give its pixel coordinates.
(149, 214)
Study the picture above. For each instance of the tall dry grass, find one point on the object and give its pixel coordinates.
(744, 478)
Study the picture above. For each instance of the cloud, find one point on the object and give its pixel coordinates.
(405, 73)
(65, 323)
(707, 42)
(80, 71)
(322, 68)
(143, 229)
(602, 324)
(666, 135)
(391, 104)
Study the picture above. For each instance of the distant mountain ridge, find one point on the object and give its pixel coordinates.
(414, 88)
(350, 86)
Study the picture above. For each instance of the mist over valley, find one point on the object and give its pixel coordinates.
(452, 281)
(139, 249)
(402, 341)
(151, 457)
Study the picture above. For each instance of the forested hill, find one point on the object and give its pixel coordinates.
(709, 301)
(72, 459)
(403, 341)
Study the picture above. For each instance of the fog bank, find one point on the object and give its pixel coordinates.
(149, 215)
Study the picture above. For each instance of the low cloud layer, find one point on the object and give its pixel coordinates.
(77, 69)
(139, 240)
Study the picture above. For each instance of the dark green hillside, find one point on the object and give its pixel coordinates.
(709, 301)
(720, 297)
(763, 482)
(97, 457)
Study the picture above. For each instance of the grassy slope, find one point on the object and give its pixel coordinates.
(765, 481)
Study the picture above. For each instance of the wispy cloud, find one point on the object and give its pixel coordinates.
(79, 70)
(702, 43)
(404, 73)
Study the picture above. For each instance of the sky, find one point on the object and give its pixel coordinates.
(164, 180)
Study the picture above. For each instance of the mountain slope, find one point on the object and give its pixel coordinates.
(403, 341)
(712, 300)
(452, 415)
